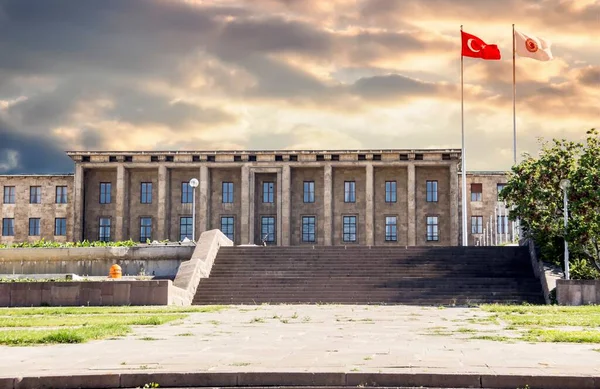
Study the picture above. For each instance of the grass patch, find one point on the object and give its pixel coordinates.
(214, 322)
(63, 335)
(367, 358)
(84, 320)
(149, 338)
(186, 334)
(496, 338)
(257, 320)
(466, 330)
(560, 336)
(240, 364)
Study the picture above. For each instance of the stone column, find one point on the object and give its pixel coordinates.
(454, 212)
(203, 202)
(412, 204)
(245, 211)
(369, 226)
(120, 217)
(286, 177)
(328, 205)
(78, 228)
(279, 205)
(162, 225)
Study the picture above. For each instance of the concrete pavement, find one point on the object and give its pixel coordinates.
(350, 342)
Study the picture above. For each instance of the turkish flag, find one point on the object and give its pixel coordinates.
(473, 46)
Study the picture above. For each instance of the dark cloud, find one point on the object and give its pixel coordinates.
(392, 86)
(34, 153)
(590, 76)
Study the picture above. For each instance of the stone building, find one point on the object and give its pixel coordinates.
(358, 197)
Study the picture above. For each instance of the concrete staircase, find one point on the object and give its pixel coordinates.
(377, 275)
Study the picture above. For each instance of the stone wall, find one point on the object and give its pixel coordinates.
(578, 292)
(35, 294)
(47, 211)
(160, 261)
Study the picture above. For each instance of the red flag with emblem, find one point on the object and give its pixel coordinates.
(475, 47)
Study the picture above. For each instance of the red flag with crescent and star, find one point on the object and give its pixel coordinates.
(474, 47)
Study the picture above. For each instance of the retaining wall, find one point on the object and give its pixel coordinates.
(160, 261)
(578, 292)
(92, 293)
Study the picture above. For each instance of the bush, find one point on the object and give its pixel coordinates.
(49, 244)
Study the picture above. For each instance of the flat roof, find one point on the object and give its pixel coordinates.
(167, 152)
(37, 175)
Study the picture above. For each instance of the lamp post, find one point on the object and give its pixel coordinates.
(194, 184)
(564, 185)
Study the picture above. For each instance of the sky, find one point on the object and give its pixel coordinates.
(288, 74)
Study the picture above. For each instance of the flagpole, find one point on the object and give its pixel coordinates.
(514, 100)
(463, 164)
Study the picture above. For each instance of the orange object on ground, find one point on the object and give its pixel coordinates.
(115, 271)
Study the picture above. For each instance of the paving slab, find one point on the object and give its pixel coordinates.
(355, 340)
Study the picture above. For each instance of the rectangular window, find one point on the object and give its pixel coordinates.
(267, 229)
(268, 192)
(34, 226)
(349, 191)
(391, 234)
(35, 194)
(60, 226)
(61, 195)
(146, 193)
(502, 224)
(9, 195)
(309, 191)
(390, 191)
(105, 192)
(432, 229)
(349, 232)
(476, 192)
(227, 188)
(476, 224)
(499, 188)
(8, 227)
(187, 193)
(145, 229)
(185, 228)
(228, 227)
(308, 228)
(104, 231)
(432, 191)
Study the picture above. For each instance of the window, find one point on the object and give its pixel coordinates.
(349, 191)
(35, 194)
(146, 193)
(61, 195)
(105, 189)
(267, 229)
(499, 188)
(476, 224)
(432, 229)
(390, 191)
(227, 188)
(309, 191)
(432, 191)
(476, 192)
(9, 195)
(185, 228)
(34, 227)
(349, 232)
(391, 234)
(145, 229)
(228, 226)
(187, 193)
(502, 224)
(268, 189)
(60, 226)
(308, 228)
(104, 231)
(8, 227)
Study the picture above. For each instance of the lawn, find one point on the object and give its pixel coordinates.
(542, 323)
(49, 325)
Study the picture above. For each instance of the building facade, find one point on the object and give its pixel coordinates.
(361, 197)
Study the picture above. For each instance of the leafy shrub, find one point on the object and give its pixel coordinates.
(49, 244)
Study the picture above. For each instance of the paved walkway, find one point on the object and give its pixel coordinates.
(293, 338)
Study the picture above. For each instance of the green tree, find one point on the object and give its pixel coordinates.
(584, 201)
(535, 198)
